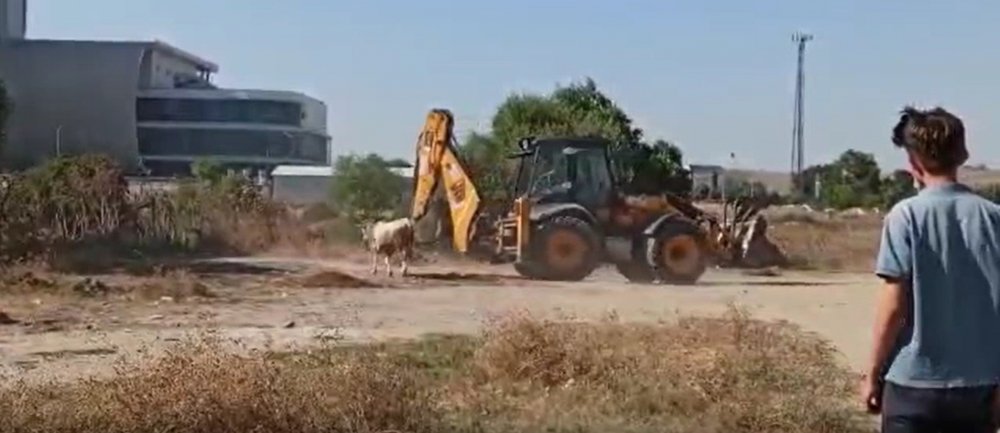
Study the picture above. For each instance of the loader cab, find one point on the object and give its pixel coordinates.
(565, 170)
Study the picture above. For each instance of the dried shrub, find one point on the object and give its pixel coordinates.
(835, 244)
(700, 375)
(704, 375)
(64, 201)
(73, 203)
(203, 387)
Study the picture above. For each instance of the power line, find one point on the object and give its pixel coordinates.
(798, 117)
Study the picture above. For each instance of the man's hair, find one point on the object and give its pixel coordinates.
(936, 137)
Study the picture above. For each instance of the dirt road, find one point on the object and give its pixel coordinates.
(288, 303)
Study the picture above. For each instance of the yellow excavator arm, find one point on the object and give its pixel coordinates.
(437, 158)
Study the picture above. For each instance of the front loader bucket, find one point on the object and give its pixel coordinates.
(746, 229)
(756, 250)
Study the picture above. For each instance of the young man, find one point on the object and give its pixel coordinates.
(937, 329)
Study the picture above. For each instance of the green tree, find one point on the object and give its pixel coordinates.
(587, 105)
(860, 171)
(208, 170)
(489, 166)
(579, 109)
(896, 187)
(651, 169)
(365, 187)
(852, 180)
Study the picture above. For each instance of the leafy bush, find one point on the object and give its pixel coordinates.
(364, 187)
(208, 171)
(73, 201)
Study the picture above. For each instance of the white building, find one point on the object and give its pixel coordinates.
(151, 106)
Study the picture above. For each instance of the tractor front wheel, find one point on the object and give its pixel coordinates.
(564, 248)
(678, 253)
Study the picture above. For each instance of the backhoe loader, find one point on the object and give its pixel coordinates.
(569, 214)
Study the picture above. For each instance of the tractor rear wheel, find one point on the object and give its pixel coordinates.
(564, 248)
(677, 253)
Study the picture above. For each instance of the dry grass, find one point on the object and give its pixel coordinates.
(822, 243)
(204, 388)
(718, 375)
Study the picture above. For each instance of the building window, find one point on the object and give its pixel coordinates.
(181, 142)
(219, 110)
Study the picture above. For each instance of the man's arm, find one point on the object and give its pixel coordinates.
(894, 266)
(890, 314)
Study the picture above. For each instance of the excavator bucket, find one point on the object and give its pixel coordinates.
(745, 230)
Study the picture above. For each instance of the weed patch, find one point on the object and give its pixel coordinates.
(730, 374)
(837, 244)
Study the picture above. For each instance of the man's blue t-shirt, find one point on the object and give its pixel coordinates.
(946, 243)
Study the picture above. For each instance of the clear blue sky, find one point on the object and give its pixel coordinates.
(714, 76)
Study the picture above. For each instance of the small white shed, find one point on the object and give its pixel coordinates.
(301, 184)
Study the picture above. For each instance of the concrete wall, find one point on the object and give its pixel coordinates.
(13, 19)
(85, 91)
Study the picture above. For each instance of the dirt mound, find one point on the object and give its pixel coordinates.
(5, 319)
(335, 279)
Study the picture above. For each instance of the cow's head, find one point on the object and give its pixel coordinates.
(367, 233)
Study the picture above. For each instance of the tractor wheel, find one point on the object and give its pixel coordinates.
(563, 248)
(636, 271)
(677, 253)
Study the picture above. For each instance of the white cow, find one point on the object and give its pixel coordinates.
(389, 238)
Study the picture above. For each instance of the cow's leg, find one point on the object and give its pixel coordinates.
(404, 261)
(388, 264)
(374, 263)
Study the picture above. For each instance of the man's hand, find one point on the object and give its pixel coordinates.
(870, 392)
(889, 317)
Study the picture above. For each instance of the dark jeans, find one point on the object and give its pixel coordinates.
(958, 410)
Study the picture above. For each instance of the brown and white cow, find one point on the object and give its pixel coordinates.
(389, 238)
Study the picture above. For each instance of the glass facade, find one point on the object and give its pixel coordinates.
(219, 110)
(245, 133)
(233, 143)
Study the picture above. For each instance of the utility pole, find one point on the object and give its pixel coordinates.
(798, 121)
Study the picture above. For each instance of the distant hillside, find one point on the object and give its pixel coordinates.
(781, 182)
